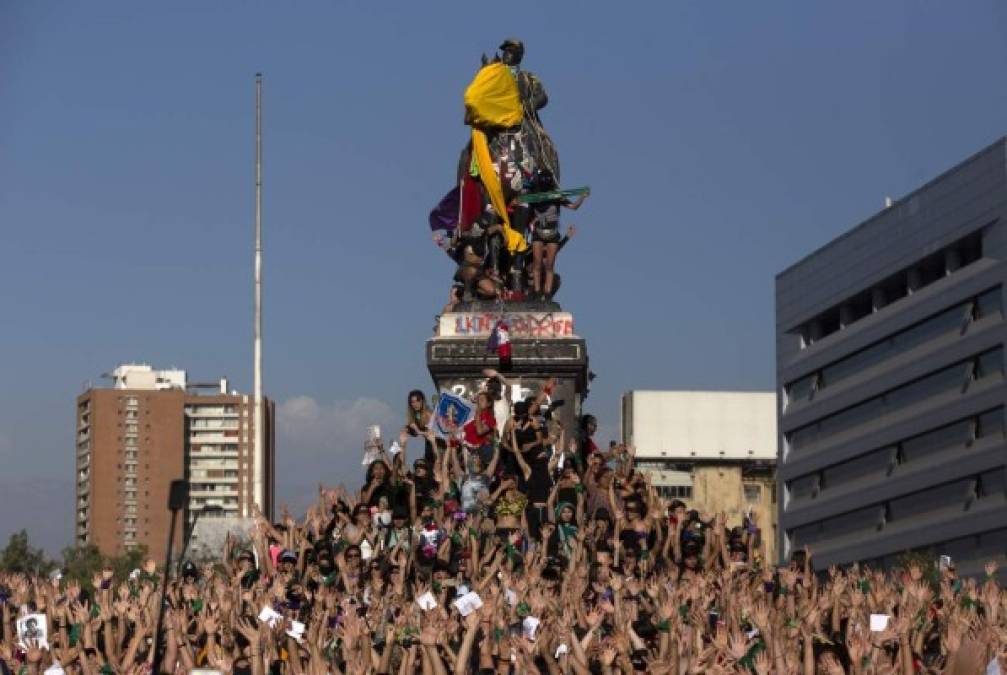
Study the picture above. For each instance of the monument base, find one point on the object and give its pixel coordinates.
(543, 345)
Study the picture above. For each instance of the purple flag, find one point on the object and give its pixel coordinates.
(445, 214)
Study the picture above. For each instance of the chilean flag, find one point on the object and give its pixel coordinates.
(499, 342)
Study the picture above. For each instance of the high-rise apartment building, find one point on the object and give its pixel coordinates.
(150, 428)
(890, 365)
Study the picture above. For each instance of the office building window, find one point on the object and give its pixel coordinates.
(954, 320)
(924, 272)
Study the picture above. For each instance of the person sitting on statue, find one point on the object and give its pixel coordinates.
(493, 233)
(546, 240)
(470, 253)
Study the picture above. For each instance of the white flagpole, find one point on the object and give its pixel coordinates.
(258, 459)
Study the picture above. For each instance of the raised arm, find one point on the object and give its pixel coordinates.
(550, 505)
(519, 456)
(492, 468)
(547, 388)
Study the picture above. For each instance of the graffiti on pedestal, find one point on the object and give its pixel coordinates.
(520, 324)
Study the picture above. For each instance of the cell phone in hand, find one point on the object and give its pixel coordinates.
(944, 563)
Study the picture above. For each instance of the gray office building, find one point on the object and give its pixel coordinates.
(890, 375)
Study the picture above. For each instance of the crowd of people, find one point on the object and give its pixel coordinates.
(520, 547)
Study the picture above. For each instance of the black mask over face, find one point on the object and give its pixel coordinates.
(512, 56)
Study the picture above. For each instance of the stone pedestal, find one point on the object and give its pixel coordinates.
(544, 344)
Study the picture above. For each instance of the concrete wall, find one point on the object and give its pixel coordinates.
(700, 424)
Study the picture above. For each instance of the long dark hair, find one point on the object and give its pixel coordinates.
(370, 471)
(412, 416)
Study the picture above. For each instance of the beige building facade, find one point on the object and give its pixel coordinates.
(715, 451)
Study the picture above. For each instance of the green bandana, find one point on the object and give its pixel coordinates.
(749, 659)
(559, 509)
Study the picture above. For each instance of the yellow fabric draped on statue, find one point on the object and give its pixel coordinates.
(492, 100)
(487, 174)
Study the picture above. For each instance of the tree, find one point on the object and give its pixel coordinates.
(127, 562)
(19, 556)
(81, 563)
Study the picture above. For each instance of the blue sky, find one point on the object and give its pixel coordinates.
(722, 142)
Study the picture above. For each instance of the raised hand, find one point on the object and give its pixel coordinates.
(209, 624)
(737, 645)
(34, 652)
(248, 630)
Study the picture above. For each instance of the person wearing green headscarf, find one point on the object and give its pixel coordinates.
(567, 517)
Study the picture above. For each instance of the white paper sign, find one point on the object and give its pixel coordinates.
(511, 597)
(879, 622)
(270, 616)
(427, 601)
(529, 626)
(296, 630)
(33, 627)
(468, 603)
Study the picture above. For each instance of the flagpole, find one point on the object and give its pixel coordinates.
(258, 459)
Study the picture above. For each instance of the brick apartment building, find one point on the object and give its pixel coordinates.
(149, 428)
